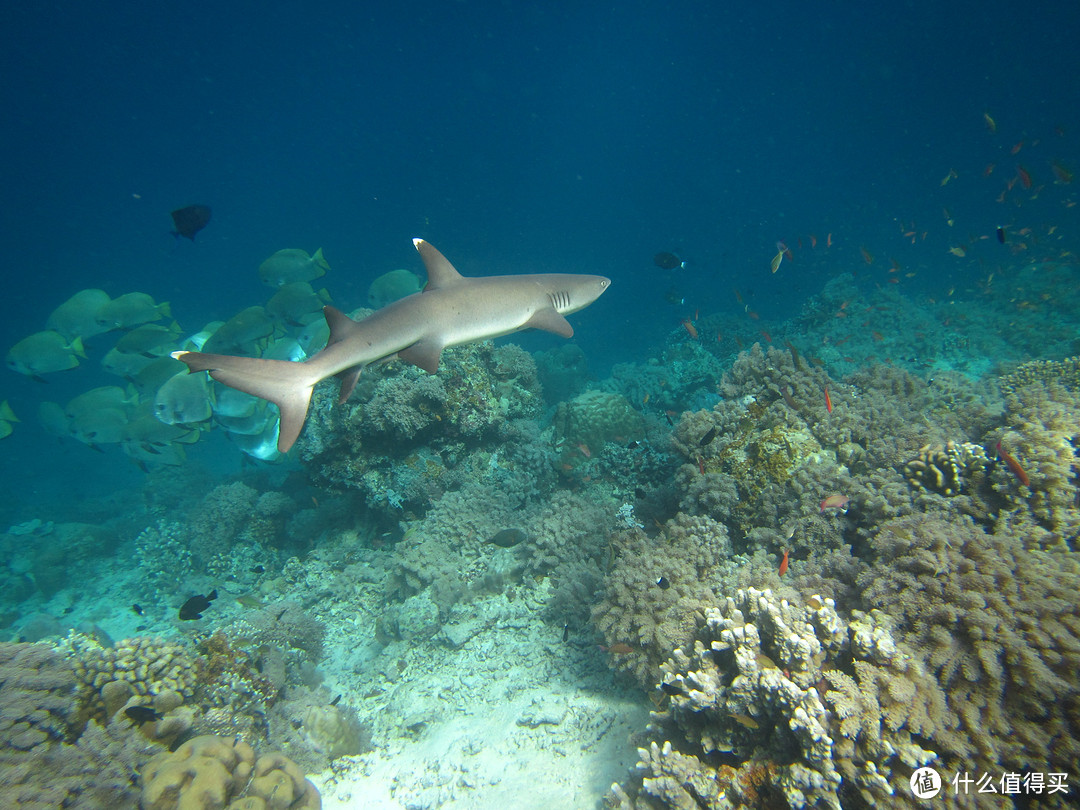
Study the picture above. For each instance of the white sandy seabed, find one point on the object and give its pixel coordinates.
(494, 711)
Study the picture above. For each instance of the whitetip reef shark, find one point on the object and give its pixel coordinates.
(450, 311)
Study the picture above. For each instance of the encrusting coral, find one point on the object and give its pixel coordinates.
(213, 773)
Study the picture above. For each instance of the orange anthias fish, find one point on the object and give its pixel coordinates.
(837, 502)
(828, 400)
(991, 124)
(867, 256)
(784, 563)
(1013, 465)
(1025, 178)
(690, 328)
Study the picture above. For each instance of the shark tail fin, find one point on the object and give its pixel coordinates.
(288, 385)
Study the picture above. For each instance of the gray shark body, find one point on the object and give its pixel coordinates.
(450, 311)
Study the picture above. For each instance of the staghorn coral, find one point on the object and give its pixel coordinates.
(995, 619)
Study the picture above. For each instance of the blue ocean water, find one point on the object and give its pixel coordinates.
(523, 137)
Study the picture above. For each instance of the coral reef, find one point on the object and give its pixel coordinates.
(407, 436)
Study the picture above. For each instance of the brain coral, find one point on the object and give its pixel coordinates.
(597, 417)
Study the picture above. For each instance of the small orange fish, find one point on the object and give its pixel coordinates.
(877, 335)
(813, 241)
(828, 400)
(691, 329)
(828, 240)
(621, 648)
(784, 563)
(867, 256)
(753, 315)
(1025, 178)
(767, 336)
(991, 124)
(776, 260)
(838, 502)
(701, 465)
(989, 170)
(645, 399)
(1016, 147)
(584, 450)
(1013, 465)
(315, 501)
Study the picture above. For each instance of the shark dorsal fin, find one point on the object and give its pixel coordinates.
(440, 273)
(341, 325)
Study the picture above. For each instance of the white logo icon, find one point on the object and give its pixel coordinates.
(926, 783)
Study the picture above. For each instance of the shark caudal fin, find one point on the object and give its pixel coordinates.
(288, 385)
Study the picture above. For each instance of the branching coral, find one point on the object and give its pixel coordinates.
(812, 711)
(995, 619)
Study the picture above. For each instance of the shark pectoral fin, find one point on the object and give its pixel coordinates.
(423, 354)
(550, 321)
(348, 380)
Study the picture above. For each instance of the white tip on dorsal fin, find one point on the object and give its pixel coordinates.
(440, 273)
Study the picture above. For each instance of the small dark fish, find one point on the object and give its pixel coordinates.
(668, 417)
(193, 608)
(640, 494)
(335, 701)
(566, 632)
(633, 445)
(141, 714)
(669, 689)
(663, 583)
(189, 220)
(668, 261)
(1001, 234)
(257, 569)
(508, 538)
(137, 610)
(708, 437)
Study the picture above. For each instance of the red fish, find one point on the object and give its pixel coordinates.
(584, 450)
(1025, 178)
(838, 502)
(867, 256)
(701, 464)
(784, 563)
(1013, 465)
(691, 329)
(828, 400)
